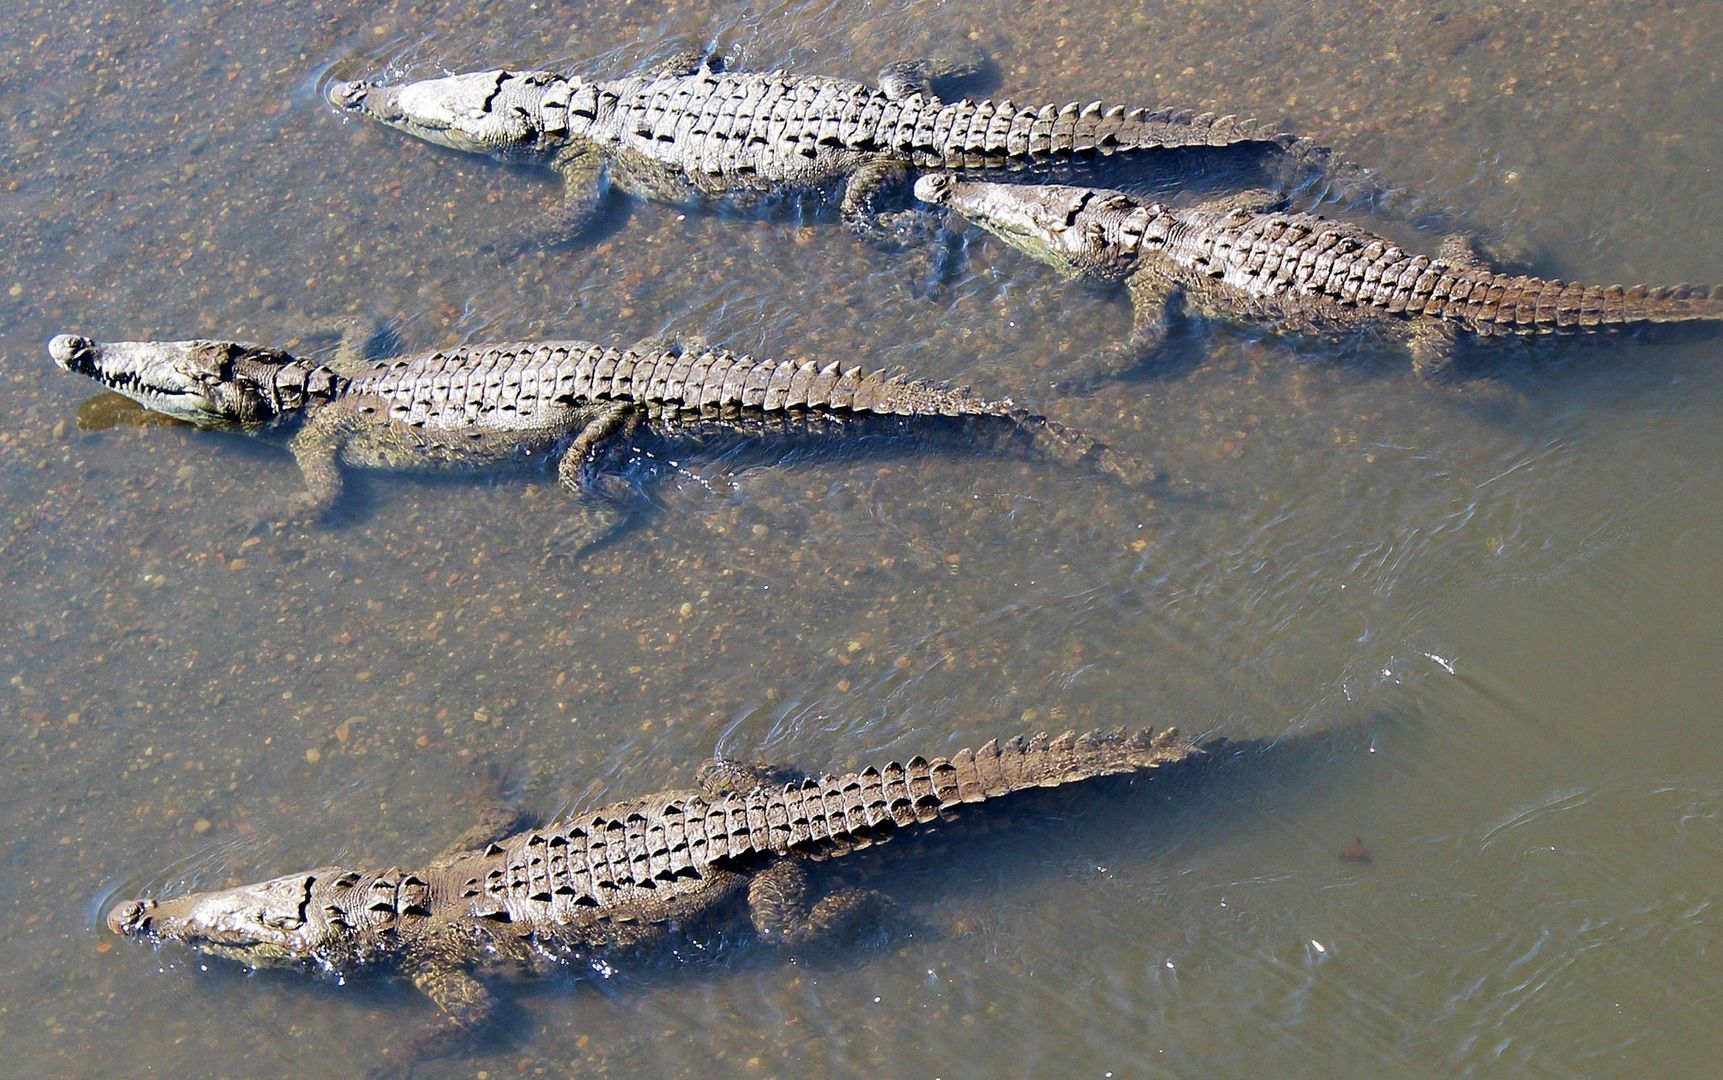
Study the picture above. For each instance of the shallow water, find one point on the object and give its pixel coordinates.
(1511, 593)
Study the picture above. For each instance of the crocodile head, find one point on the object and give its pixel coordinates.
(211, 383)
(1075, 229)
(518, 115)
(275, 923)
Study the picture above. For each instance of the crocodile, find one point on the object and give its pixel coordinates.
(686, 132)
(576, 401)
(623, 877)
(1239, 258)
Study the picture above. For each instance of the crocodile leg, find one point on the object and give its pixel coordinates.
(495, 823)
(316, 450)
(1248, 201)
(862, 195)
(724, 775)
(1152, 300)
(1434, 345)
(1461, 252)
(354, 336)
(583, 186)
(464, 1006)
(597, 516)
(614, 423)
(354, 349)
(683, 62)
(907, 78)
(778, 906)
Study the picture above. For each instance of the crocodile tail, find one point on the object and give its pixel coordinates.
(899, 395)
(721, 382)
(826, 816)
(1656, 303)
(1528, 305)
(1075, 448)
(987, 134)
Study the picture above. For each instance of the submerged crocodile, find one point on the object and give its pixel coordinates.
(686, 132)
(1237, 258)
(491, 405)
(620, 877)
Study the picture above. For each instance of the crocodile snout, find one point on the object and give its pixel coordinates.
(131, 917)
(348, 95)
(69, 350)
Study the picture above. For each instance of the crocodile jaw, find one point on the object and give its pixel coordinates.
(210, 383)
(482, 112)
(1039, 220)
(158, 375)
(266, 924)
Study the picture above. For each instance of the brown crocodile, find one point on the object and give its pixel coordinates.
(686, 132)
(620, 877)
(1237, 258)
(492, 405)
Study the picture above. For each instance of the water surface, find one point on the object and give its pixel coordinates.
(1511, 592)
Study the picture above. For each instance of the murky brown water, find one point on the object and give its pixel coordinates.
(1516, 599)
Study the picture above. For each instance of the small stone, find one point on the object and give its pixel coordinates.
(237, 564)
(201, 825)
(15, 291)
(313, 755)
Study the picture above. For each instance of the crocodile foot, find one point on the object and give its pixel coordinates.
(299, 510)
(900, 230)
(778, 905)
(589, 527)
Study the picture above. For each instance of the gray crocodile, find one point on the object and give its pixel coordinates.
(686, 133)
(492, 405)
(1237, 258)
(621, 877)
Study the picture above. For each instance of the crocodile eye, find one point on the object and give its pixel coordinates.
(279, 921)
